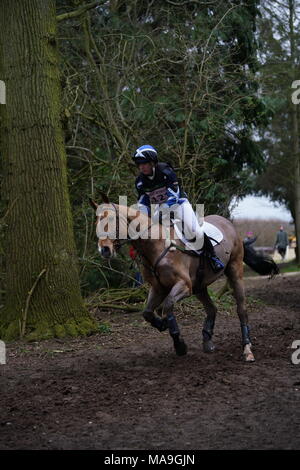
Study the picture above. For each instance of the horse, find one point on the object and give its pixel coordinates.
(175, 273)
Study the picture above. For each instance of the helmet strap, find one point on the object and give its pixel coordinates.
(153, 173)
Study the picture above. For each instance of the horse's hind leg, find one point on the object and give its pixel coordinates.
(178, 292)
(234, 272)
(209, 323)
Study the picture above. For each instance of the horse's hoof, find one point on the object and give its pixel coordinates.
(180, 346)
(248, 354)
(148, 315)
(181, 349)
(249, 357)
(208, 346)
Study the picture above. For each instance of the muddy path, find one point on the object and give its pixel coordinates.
(126, 389)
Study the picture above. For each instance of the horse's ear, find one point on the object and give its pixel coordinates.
(104, 197)
(93, 204)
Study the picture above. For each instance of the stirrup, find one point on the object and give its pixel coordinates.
(216, 264)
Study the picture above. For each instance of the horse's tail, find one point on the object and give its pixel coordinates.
(261, 264)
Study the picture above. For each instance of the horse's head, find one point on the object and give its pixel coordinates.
(106, 227)
(115, 223)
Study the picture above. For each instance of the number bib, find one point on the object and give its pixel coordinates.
(158, 196)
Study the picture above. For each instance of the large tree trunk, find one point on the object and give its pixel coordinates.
(42, 284)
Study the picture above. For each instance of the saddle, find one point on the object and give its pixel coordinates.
(212, 237)
(211, 231)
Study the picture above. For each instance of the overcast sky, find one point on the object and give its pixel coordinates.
(252, 207)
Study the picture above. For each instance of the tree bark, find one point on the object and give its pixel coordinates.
(42, 284)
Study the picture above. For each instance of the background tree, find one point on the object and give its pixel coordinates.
(42, 286)
(179, 75)
(279, 36)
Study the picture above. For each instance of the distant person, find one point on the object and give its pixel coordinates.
(281, 242)
(249, 239)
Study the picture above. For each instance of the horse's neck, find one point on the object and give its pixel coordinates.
(147, 244)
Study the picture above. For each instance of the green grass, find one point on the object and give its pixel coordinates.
(105, 328)
(289, 267)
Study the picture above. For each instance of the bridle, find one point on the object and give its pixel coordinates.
(115, 235)
(119, 243)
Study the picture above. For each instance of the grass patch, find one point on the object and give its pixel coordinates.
(290, 267)
(226, 303)
(105, 328)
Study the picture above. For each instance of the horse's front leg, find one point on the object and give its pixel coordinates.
(178, 292)
(155, 298)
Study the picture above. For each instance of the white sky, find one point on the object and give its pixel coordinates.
(252, 207)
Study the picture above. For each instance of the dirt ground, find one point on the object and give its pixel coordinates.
(125, 388)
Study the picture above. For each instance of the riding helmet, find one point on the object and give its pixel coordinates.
(145, 154)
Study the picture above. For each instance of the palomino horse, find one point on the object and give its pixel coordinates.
(173, 275)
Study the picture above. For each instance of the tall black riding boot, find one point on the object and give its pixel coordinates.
(215, 262)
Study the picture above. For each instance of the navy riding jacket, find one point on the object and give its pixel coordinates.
(162, 187)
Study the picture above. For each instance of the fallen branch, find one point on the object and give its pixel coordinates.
(8, 210)
(30, 293)
(119, 299)
(130, 308)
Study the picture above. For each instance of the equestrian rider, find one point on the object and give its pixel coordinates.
(157, 184)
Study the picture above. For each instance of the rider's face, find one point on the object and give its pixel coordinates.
(146, 168)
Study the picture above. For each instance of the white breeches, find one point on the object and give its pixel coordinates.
(188, 225)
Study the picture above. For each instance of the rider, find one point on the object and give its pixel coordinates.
(249, 238)
(157, 184)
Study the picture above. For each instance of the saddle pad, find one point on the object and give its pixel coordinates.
(210, 230)
(213, 232)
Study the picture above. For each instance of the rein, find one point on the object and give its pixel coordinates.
(153, 269)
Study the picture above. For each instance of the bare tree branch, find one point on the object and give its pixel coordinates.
(80, 11)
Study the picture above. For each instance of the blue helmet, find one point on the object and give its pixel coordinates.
(145, 154)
